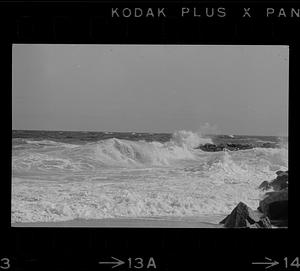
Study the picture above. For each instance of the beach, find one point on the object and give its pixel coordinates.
(194, 222)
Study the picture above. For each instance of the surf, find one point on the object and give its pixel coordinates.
(111, 152)
(135, 178)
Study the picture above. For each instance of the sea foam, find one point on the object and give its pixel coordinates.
(55, 181)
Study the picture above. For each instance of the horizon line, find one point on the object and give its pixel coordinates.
(88, 131)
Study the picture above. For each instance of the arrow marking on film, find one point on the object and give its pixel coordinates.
(116, 263)
(271, 263)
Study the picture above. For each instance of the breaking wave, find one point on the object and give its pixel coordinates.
(45, 154)
(56, 181)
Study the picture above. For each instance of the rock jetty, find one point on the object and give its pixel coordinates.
(208, 147)
(272, 210)
(243, 216)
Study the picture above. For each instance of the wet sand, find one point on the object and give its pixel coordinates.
(209, 221)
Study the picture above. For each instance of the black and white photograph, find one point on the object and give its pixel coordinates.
(167, 136)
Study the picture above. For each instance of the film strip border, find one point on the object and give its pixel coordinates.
(164, 22)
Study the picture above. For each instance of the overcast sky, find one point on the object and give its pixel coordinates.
(151, 88)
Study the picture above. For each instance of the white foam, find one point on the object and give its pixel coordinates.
(179, 196)
(123, 178)
(122, 152)
(109, 152)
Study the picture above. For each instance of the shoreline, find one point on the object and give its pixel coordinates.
(207, 221)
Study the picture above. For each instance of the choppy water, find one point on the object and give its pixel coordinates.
(66, 175)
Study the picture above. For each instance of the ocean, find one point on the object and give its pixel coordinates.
(62, 175)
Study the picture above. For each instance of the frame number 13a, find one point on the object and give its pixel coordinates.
(139, 263)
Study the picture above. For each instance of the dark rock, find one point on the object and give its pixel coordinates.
(264, 222)
(269, 145)
(280, 183)
(278, 210)
(236, 147)
(265, 185)
(259, 209)
(244, 217)
(255, 225)
(229, 146)
(210, 147)
(274, 205)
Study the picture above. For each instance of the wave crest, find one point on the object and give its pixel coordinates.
(109, 152)
(120, 151)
